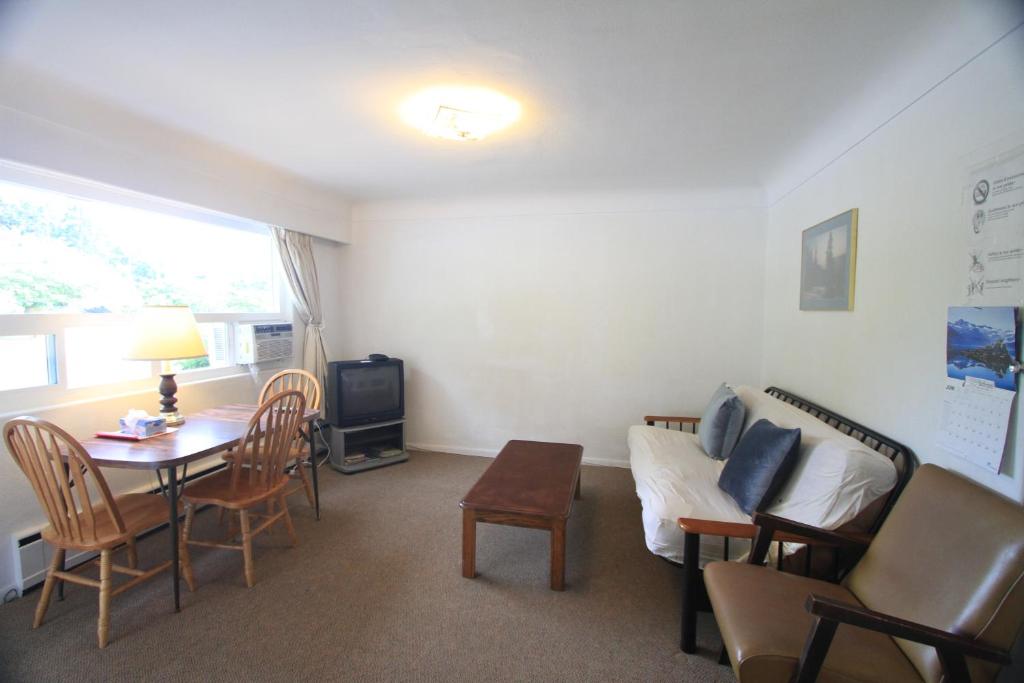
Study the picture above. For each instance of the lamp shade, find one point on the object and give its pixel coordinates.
(166, 333)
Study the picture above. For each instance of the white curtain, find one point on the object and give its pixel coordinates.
(296, 250)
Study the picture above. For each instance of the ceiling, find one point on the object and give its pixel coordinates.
(648, 94)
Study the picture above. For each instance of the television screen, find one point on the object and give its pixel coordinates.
(369, 389)
(361, 392)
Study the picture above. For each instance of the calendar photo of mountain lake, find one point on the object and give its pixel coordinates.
(982, 343)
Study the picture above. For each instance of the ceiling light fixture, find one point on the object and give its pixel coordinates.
(459, 112)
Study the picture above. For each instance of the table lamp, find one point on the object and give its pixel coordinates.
(166, 333)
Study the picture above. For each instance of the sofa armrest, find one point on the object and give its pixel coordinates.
(771, 528)
(829, 613)
(670, 419)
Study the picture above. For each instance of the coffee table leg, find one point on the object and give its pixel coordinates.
(468, 544)
(558, 555)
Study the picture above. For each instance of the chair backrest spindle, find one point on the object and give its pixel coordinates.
(63, 477)
(294, 380)
(266, 448)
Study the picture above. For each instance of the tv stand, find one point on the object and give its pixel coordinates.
(367, 439)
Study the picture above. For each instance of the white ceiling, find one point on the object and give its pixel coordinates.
(648, 94)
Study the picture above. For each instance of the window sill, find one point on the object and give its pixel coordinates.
(45, 399)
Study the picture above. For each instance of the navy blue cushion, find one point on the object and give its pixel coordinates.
(760, 465)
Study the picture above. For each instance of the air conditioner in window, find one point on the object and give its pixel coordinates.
(215, 338)
(261, 342)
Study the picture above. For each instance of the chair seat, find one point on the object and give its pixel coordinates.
(216, 489)
(764, 626)
(140, 511)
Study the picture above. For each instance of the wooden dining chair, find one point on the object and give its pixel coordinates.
(255, 476)
(82, 513)
(309, 385)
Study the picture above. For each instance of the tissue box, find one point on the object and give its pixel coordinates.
(147, 426)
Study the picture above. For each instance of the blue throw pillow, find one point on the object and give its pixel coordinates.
(760, 465)
(722, 423)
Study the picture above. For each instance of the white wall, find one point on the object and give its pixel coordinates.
(48, 125)
(884, 363)
(557, 323)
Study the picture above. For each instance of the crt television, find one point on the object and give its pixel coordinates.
(364, 391)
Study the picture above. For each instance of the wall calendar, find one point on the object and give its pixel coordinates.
(981, 351)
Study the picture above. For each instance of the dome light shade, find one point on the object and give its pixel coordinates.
(459, 112)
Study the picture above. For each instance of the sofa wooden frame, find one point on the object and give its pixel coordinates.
(845, 553)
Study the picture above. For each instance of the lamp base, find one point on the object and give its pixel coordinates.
(168, 387)
(173, 419)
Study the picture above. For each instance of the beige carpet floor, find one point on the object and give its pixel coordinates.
(374, 592)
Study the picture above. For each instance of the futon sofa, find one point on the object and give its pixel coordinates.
(845, 477)
(838, 482)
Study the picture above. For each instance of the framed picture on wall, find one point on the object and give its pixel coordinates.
(828, 262)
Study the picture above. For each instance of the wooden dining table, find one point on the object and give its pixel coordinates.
(203, 434)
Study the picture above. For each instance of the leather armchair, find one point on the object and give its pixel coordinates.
(938, 595)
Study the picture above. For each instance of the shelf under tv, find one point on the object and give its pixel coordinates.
(389, 434)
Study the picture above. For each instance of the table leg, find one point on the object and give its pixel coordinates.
(468, 544)
(316, 479)
(578, 494)
(172, 481)
(558, 555)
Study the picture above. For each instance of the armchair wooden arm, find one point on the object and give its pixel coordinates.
(771, 528)
(829, 613)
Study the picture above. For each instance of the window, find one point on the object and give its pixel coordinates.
(95, 355)
(215, 339)
(73, 271)
(62, 254)
(27, 360)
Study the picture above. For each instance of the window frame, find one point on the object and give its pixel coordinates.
(50, 344)
(27, 399)
(55, 323)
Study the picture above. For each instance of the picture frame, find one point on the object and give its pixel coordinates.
(828, 264)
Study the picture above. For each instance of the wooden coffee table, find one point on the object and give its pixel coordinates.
(530, 484)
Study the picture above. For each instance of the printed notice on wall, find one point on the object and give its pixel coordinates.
(994, 217)
(981, 345)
